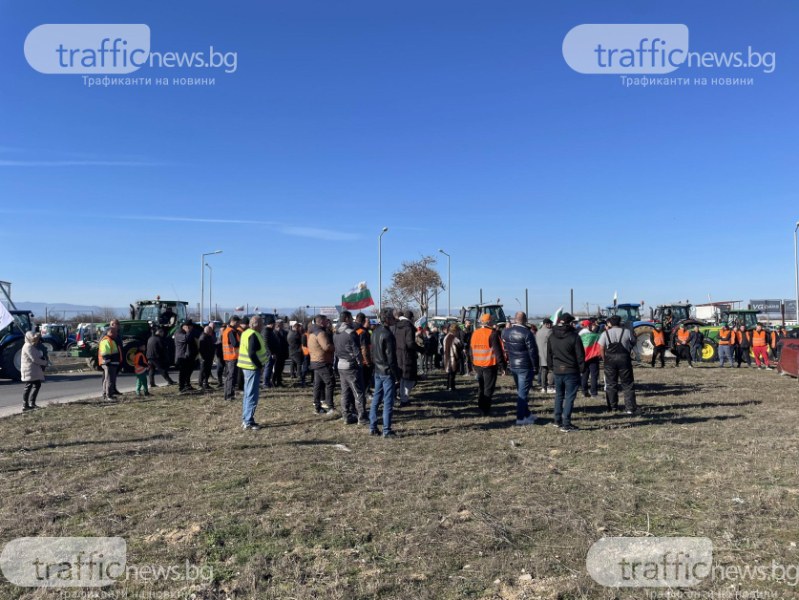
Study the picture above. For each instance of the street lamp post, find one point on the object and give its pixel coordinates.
(796, 268)
(210, 292)
(449, 281)
(202, 281)
(380, 270)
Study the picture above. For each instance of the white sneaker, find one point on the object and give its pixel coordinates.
(527, 421)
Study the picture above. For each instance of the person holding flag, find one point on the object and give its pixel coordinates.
(357, 298)
(589, 335)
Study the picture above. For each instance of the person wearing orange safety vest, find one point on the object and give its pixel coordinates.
(141, 368)
(726, 340)
(743, 343)
(682, 346)
(760, 343)
(487, 358)
(231, 338)
(659, 342)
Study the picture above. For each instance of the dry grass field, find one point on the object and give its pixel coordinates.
(457, 506)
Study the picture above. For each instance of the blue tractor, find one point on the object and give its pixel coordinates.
(12, 338)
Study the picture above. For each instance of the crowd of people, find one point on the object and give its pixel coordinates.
(378, 365)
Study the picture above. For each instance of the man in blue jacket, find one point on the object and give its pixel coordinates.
(523, 361)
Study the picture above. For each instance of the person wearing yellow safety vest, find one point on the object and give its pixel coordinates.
(487, 357)
(252, 358)
(108, 358)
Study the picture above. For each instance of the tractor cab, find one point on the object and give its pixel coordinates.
(166, 313)
(22, 319)
(473, 314)
(629, 313)
(738, 317)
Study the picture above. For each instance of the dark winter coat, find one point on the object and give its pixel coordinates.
(565, 352)
(407, 350)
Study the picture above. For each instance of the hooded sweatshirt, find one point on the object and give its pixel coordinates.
(565, 353)
(348, 349)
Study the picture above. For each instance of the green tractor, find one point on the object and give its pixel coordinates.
(146, 315)
(734, 317)
(670, 317)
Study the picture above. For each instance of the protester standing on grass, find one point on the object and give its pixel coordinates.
(231, 336)
(743, 344)
(616, 343)
(523, 361)
(320, 346)
(407, 356)
(157, 357)
(682, 346)
(697, 342)
(272, 348)
(365, 341)
(589, 336)
(282, 354)
(566, 360)
(140, 368)
(108, 358)
(32, 369)
(294, 341)
(348, 355)
(487, 358)
(207, 350)
(542, 341)
(760, 344)
(453, 353)
(726, 340)
(659, 342)
(384, 359)
(251, 361)
(185, 354)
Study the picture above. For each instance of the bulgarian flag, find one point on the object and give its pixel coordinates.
(357, 298)
(590, 341)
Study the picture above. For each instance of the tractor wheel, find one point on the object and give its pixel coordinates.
(92, 363)
(129, 349)
(644, 348)
(710, 351)
(49, 346)
(12, 360)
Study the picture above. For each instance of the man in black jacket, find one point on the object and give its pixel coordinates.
(294, 341)
(272, 348)
(281, 354)
(522, 357)
(407, 356)
(566, 360)
(157, 357)
(185, 354)
(384, 359)
(348, 355)
(207, 348)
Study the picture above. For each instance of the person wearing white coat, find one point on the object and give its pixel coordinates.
(33, 363)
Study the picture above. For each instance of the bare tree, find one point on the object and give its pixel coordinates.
(396, 298)
(415, 279)
(300, 315)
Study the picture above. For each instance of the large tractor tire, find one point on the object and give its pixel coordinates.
(92, 363)
(644, 348)
(710, 351)
(11, 360)
(129, 348)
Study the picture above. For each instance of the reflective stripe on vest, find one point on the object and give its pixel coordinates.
(139, 363)
(482, 354)
(244, 355)
(229, 352)
(724, 340)
(759, 338)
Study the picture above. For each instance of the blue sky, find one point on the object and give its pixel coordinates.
(456, 124)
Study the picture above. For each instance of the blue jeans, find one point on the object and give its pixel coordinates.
(566, 386)
(384, 390)
(250, 400)
(269, 371)
(725, 354)
(523, 378)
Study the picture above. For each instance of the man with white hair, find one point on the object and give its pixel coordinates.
(108, 358)
(251, 361)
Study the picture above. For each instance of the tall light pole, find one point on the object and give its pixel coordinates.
(796, 267)
(202, 281)
(449, 281)
(210, 291)
(380, 270)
